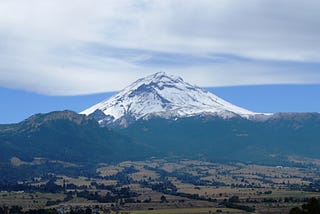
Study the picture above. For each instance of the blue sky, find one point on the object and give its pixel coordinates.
(61, 54)
(264, 98)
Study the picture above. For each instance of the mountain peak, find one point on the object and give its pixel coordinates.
(163, 76)
(161, 95)
(159, 75)
(159, 79)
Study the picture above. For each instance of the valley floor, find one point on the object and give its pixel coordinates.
(171, 186)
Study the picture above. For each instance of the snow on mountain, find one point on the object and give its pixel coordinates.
(164, 96)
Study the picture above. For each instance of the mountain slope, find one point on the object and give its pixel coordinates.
(233, 139)
(162, 116)
(163, 96)
(64, 136)
(67, 136)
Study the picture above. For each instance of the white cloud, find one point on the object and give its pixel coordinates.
(66, 48)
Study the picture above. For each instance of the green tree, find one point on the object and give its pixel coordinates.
(163, 199)
(234, 199)
(88, 211)
(15, 210)
(312, 207)
(295, 210)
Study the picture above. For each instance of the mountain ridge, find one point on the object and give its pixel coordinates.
(162, 127)
(64, 136)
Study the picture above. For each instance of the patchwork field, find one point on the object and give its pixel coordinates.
(173, 186)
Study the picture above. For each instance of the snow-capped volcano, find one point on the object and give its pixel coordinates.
(164, 96)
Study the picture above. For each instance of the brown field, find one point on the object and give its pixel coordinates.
(28, 200)
(255, 185)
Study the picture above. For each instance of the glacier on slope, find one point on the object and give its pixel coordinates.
(163, 96)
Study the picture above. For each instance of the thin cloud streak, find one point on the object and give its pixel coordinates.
(83, 47)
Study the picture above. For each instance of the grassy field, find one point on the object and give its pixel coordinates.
(189, 187)
(185, 211)
(28, 200)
